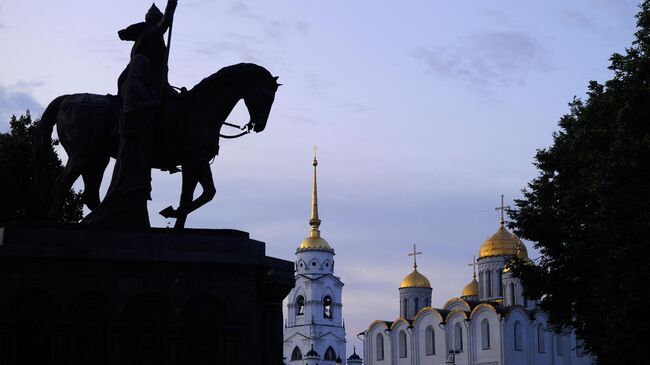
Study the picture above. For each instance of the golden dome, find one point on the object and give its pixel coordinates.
(503, 243)
(314, 242)
(415, 280)
(471, 289)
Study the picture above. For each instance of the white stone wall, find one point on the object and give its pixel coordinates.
(413, 296)
(433, 319)
(492, 353)
(502, 344)
(314, 281)
(490, 286)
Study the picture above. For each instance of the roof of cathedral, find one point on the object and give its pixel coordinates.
(471, 289)
(312, 354)
(354, 355)
(314, 242)
(415, 279)
(503, 243)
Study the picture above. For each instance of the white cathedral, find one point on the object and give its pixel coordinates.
(314, 331)
(491, 323)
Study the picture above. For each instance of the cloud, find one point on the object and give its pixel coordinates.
(16, 99)
(274, 29)
(484, 60)
(240, 50)
(577, 19)
(26, 85)
(354, 107)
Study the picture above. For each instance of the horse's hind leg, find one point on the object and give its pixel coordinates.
(92, 177)
(62, 185)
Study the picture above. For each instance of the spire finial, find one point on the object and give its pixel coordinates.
(473, 264)
(414, 254)
(502, 208)
(314, 221)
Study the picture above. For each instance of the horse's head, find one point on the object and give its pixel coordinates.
(259, 98)
(247, 81)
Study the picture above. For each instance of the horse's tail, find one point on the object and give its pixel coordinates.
(43, 146)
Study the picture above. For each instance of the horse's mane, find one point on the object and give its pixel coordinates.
(224, 76)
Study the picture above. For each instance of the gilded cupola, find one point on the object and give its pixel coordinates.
(415, 279)
(314, 242)
(503, 243)
(470, 291)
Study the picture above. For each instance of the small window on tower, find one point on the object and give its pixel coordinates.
(300, 305)
(327, 307)
(330, 355)
(313, 263)
(296, 354)
(327, 264)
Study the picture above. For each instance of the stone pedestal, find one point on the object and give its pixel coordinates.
(71, 294)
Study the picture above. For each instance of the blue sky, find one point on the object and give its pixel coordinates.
(424, 112)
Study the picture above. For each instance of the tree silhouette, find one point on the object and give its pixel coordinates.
(19, 197)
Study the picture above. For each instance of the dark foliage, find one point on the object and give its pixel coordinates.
(588, 212)
(19, 198)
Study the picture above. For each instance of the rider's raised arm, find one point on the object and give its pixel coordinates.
(167, 18)
(132, 32)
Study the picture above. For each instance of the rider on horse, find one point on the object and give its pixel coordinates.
(149, 42)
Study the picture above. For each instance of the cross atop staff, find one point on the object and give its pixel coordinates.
(474, 265)
(414, 254)
(502, 208)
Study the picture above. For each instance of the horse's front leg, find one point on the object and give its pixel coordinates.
(203, 175)
(187, 194)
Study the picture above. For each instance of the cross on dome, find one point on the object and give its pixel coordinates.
(414, 254)
(502, 208)
(474, 264)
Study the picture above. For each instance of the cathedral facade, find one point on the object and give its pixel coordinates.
(314, 331)
(490, 323)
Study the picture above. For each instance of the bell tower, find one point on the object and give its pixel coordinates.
(314, 327)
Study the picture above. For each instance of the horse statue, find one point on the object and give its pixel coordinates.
(187, 134)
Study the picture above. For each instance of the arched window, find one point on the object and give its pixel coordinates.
(379, 346)
(296, 354)
(499, 283)
(415, 306)
(458, 338)
(429, 341)
(518, 336)
(330, 354)
(300, 305)
(327, 307)
(404, 307)
(541, 345)
(427, 302)
(481, 280)
(488, 286)
(485, 335)
(513, 298)
(525, 302)
(402, 344)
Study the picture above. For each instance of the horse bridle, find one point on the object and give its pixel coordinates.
(245, 128)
